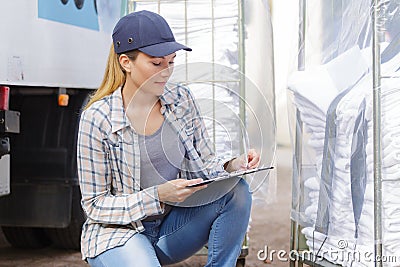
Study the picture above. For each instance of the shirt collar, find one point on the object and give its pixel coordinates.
(169, 97)
(118, 116)
(166, 99)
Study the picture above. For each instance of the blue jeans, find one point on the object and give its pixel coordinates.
(222, 223)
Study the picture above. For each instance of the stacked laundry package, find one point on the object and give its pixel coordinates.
(335, 101)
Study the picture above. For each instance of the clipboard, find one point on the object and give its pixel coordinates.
(231, 175)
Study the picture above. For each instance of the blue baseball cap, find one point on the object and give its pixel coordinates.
(146, 31)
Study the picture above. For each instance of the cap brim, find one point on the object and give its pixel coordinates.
(163, 49)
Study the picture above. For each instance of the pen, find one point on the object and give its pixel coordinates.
(244, 143)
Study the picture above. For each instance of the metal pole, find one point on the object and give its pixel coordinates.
(186, 40)
(376, 22)
(302, 32)
(242, 67)
(213, 70)
(297, 160)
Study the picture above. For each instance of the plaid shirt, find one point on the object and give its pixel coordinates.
(109, 166)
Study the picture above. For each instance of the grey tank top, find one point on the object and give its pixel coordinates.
(161, 156)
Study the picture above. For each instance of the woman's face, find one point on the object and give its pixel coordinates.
(150, 74)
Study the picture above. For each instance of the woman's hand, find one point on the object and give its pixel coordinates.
(249, 161)
(253, 159)
(176, 190)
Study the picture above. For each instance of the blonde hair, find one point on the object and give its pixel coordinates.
(114, 76)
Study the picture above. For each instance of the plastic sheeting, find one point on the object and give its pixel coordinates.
(232, 82)
(332, 91)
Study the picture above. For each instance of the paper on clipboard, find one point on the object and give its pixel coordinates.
(231, 175)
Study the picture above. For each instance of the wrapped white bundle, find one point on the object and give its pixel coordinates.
(313, 104)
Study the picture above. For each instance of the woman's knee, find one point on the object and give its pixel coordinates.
(241, 196)
(137, 251)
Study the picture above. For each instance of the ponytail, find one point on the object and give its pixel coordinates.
(114, 77)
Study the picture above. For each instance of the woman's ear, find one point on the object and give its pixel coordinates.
(125, 62)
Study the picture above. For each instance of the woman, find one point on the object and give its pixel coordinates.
(128, 173)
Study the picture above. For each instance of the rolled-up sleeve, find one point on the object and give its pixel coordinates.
(99, 201)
